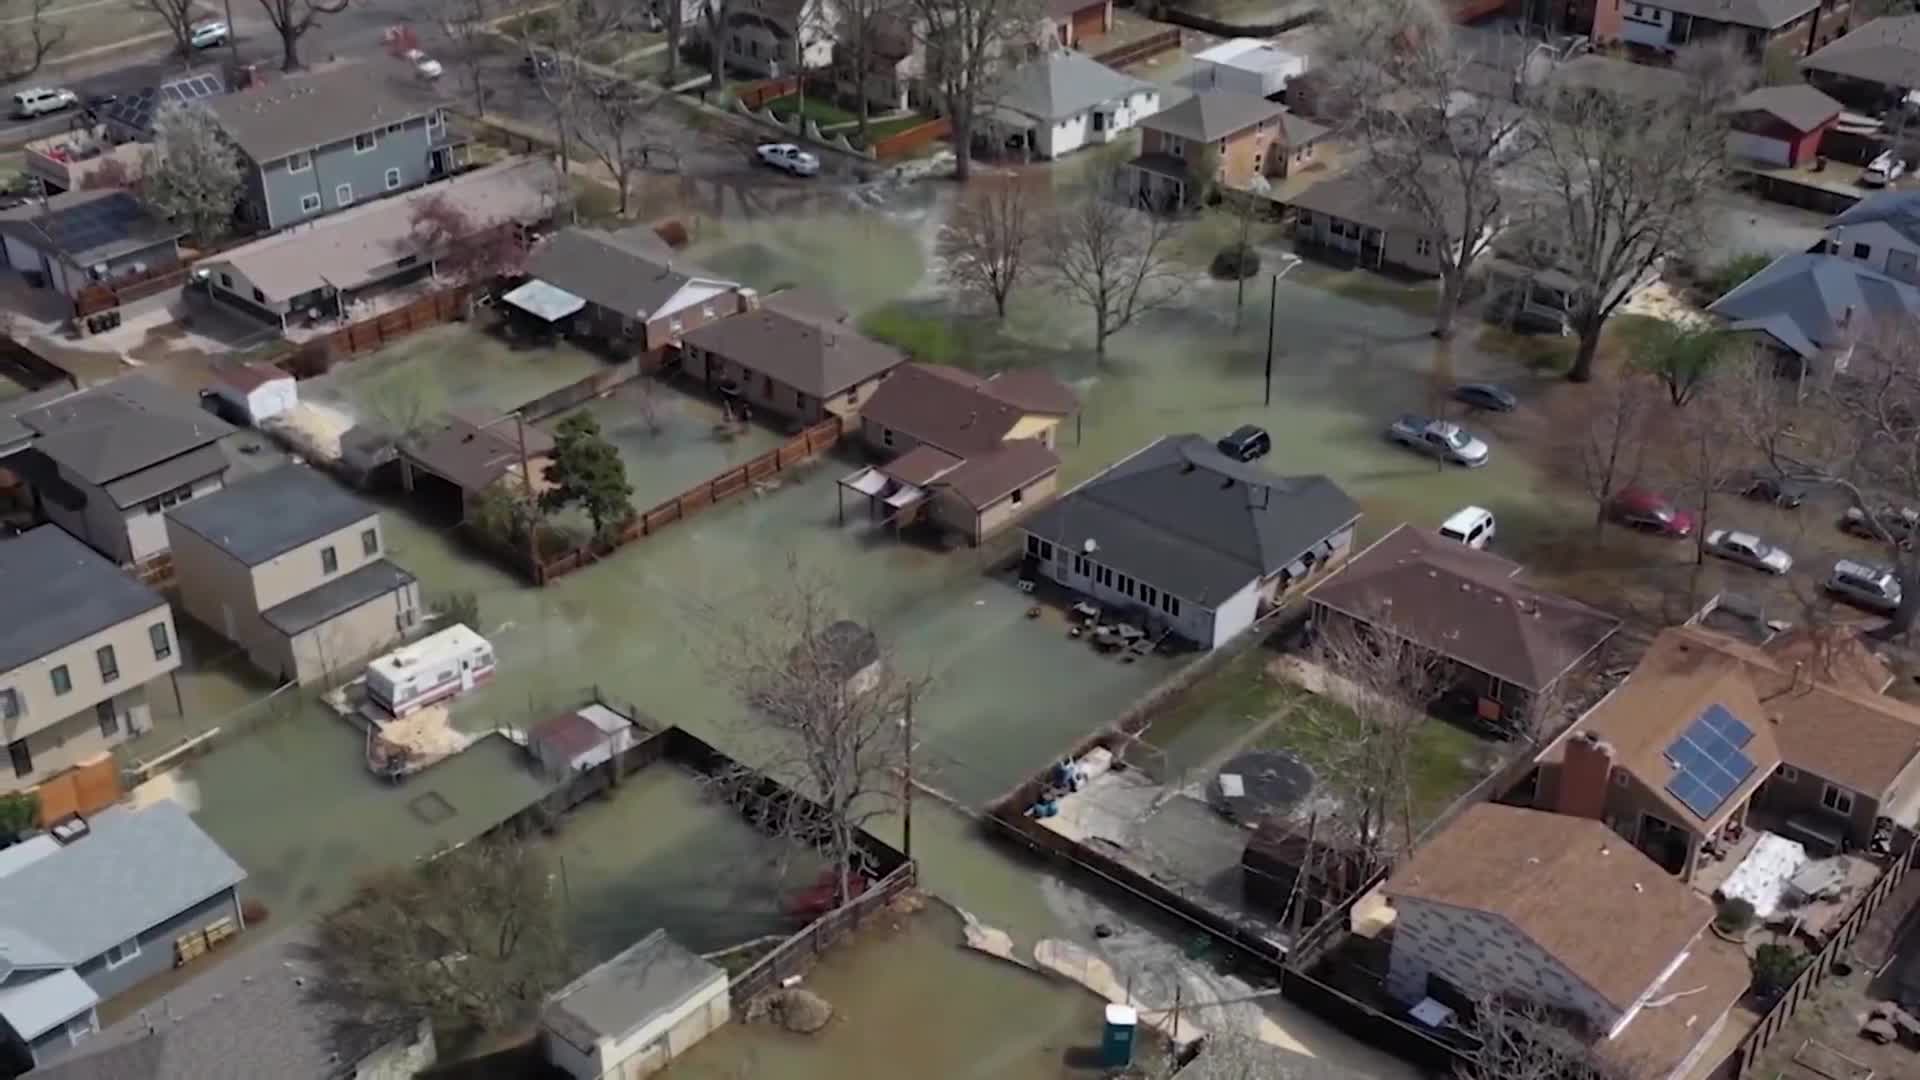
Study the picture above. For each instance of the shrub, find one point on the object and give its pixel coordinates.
(1774, 969)
(19, 812)
(253, 911)
(1236, 263)
(1735, 915)
(458, 607)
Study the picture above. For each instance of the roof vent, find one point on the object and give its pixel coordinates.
(70, 829)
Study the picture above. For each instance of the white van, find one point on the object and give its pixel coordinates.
(1472, 526)
(40, 100)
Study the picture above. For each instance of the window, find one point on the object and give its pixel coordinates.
(706, 311)
(1423, 246)
(886, 436)
(300, 162)
(1104, 575)
(259, 297)
(109, 664)
(1789, 774)
(1016, 498)
(123, 952)
(108, 719)
(799, 400)
(1080, 565)
(1170, 604)
(22, 756)
(395, 129)
(62, 680)
(393, 179)
(1149, 596)
(435, 120)
(1861, 251)
(226, 281)
(1837, 799)
(364, 142)
(329, 562)
(10, 704)
(309, 203)
(1178, 148)
(162, 641)
(79, 1029)
(853, 396)
(370, 542)
(1619, 778)
(406, 262)
(343, 195)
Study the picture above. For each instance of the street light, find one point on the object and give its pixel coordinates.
(1273, 305)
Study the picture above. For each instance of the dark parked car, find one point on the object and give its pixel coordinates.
(533, 66)
(1485, 396)
(1765, 487)
(1900, 524)
(1246, 443)
(1650, 511)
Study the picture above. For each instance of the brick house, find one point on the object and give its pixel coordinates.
(1254, 139)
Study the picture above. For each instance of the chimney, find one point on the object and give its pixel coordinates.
(1584, 773)
(749, 300)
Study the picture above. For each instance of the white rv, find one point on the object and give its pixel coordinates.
(435, 668)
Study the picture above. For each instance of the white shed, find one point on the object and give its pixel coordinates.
(1246, 66)
(631, 1016)
(254, 392)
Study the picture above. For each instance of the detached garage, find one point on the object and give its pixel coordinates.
(631, 1016)
(252, 393)
(1780, 125)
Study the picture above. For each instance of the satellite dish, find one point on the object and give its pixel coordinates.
(1090, 545)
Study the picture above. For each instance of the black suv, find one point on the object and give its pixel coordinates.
(1246, 443)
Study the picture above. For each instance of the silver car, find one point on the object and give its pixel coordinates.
(1748, 550)
(1441, 439)
(1870, 588)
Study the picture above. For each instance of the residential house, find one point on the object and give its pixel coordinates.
(292, 567)
(99, 906)
(259, 1013)
(108, 461)
(1505, 642)
(1249, 140)
(1191, 539)
(1062, 100)
(323, 269)
(1780, 125)
(1554, 911)
(973, 454)
(79, 239)
(895, 62)
(1348, 215)
(1882, 231)
(470, 451)
(788, 361)
(633, 1015)
(117, 131)
(1753, 25)
(627, 287)
(313, 144)
(1711, 736)
(80, 648)
(1072, 23)
(772, 38)
(1874, 67)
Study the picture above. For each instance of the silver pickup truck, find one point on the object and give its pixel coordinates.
(1441, 439)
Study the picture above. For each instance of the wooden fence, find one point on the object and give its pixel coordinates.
(756, 95)
(1816, 972)
(598, 384)
(796, 954)
(1142, 49)
(906, 143)
(318, 355)
(806, 445)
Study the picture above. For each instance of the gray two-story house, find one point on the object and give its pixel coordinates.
(318, 143)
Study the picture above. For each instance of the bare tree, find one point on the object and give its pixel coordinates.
(564, 84)
(464, 251)
(1430, 140)
(715, 15)
(1604, 444)
(1517, 1041)
(291, 19)
(1378, 683)
(464, 22)
(1620, 183)
(985, 246)
(835, 697)
(1690, 448)
(191, 174)
(178, 15)
(26, 40)
(1110, 257)
(473, 938)
(968, 43)
(862, 23)
(608, 124)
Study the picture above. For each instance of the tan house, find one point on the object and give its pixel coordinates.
(1712, 736)
(1558, 912)
(292, 568)
(81, 647)
(788, 359)
(974, 455)
(1251, 140)
(1348, 216)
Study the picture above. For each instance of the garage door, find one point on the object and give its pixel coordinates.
(1088, 22)
(1757, 148)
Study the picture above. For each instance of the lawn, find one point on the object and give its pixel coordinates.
(818, 109)
(881, 129)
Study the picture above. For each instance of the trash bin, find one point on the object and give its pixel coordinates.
(1116, 1043)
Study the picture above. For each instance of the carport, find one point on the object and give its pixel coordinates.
(545, 302)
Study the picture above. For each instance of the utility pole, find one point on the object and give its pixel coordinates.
(233, 46)
(526, 479)
(1273, 306)
(1175, 1034)
(906, 814)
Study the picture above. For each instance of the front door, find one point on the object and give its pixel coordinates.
(440, 165)
(22, 757)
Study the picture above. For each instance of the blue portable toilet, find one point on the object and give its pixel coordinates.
(1116, 1043)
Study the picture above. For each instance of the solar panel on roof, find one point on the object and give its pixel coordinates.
(1709, 761)
(1727, 726)
(135, 112)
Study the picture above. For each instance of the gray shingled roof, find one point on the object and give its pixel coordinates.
(646, 980)
(1899, 210)
(14, 435)
(111, 431)
(1886, 50)
(1801, 300)
(1759, 14)
(1063, 83)
(88, 227)
(1211, 115)
(337, 597)
(632, 271)
(1802, 107)
(271, 513)
(132, 871)
(1185, 518)
(256, 1014)
(302, 112)
(58, 590)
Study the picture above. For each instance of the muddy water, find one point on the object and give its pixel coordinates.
(670, 440)
(455, 366)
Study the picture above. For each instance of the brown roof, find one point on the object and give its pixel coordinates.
(1034, 392)
(1566, 883)
(942, 406)
(474, 449)
(812, 358)
(568, 734)
(809, 304)
(1468, 606)
(921, 465)
(1836, 653)
(1713, 979)
(987, 478)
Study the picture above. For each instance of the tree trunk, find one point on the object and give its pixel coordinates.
(1443, 318)
(962, 143)
(715, 58)
(674, 16)
(1000, 303)
(1583, 357)
(1100, 331)
(289, 50)
(1600, 515)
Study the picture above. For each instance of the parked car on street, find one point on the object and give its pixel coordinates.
(789, 158)
(1486, 396)
(41, 100)
(1900, 524)
(1438, 439)
(1768, 488)
(1748, 549)
(1650, 511)
(1472, 526)
(206, 35)
(1246, 443)
(1867, 587)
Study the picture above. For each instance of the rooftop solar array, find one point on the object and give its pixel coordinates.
(134, 113)
(90, 225)
(1710, 761)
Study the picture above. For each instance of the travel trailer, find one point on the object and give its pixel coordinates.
(433, 669)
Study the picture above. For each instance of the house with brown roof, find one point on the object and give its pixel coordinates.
(626, 288)
(971, 454)
(471, 451)
(1556, 911)
(789, 360)
(1505, 642)
(1250, 139)
(1712, 736)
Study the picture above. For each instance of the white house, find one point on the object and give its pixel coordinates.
(1246, 66)
(770, 38)
(1060, 101)
(634, 1014)
(1188, 539)
(254, 392)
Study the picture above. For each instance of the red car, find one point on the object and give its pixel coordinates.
(1650, 511)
